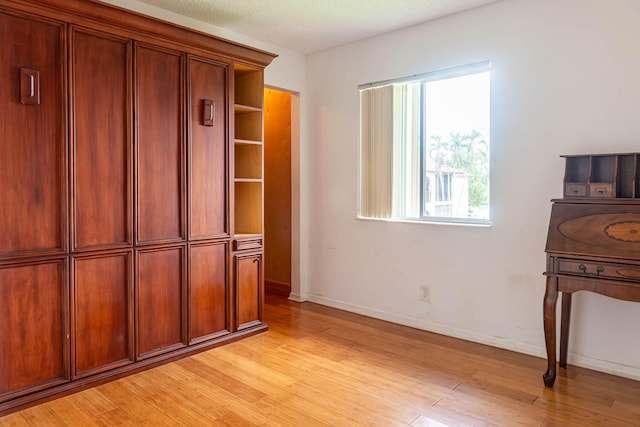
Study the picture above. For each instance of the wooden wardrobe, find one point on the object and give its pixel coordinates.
(131, 194)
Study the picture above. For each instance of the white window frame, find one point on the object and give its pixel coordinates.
(392, 168)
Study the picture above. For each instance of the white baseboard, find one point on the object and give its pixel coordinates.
(576, 360)
(297, 297)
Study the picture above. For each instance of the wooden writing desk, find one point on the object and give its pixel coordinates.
(593, 245)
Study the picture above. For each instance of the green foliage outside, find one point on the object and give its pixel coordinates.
(468, 153)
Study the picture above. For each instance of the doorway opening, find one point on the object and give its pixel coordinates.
(281, 195)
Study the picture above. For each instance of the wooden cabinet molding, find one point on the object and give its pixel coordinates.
(131, 236)
(126, 23)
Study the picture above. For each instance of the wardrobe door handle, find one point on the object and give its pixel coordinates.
(29, 86)
(208, 112)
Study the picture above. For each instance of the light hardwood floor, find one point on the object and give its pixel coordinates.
(320, 366)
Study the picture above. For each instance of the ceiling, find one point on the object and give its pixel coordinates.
(308, 26)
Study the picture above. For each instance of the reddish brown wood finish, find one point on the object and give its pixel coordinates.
(32, 145)
(248, 291)
(101, 291)
(208, 292)
(34, 340)
(207, 152)
(160, 149)
(101, 145)
(102, 315)
(591, 246)
(160, 308)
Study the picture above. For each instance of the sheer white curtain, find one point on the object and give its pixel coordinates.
(390, 151)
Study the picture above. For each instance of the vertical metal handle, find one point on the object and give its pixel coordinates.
(208, 112)
(29, 86)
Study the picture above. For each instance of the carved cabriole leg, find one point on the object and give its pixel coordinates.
(564, 328)
(550, 300)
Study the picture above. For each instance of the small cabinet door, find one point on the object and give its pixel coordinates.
(160, 311)
(249, 289)
(208, 291)
(34, 343)
(32, 138)
(102, 312)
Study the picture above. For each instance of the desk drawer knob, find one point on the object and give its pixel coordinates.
(583, 268)
(599, 270)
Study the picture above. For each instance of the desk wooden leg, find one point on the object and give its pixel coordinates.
(550, 301)
(564, 328)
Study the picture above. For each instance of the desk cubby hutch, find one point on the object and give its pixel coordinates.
(593, 242)
(131, 189)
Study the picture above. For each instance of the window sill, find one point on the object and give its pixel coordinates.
(477, 223)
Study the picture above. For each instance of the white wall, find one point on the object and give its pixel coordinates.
(565, 79)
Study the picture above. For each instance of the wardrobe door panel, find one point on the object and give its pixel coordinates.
(207, 151)
(33, 216)
(249, 290)
(33, 344)
(208, 291)
(160, 150)
(160, 296)
(102, 312)
(101, 145)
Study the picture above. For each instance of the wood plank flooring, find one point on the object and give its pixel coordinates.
(318, 366)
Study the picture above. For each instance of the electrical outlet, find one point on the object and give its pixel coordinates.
(424, 293)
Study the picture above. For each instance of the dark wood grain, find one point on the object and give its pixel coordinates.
(208, 291)
(32, 146)
(107, 182)
(160, 149)
(102, 188)
(592, 245)
(207, 153)
(102, 312)
(33, 343)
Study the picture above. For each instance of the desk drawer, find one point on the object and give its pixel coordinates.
(601, 190)
(575, 189)
(599, 269)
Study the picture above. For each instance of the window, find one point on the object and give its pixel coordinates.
(424, 146)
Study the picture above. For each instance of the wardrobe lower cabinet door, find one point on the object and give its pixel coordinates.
(160, 297)
(34, 350)
(102, 313)
(249, 289)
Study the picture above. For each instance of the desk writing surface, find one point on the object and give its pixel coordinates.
(603, 229)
